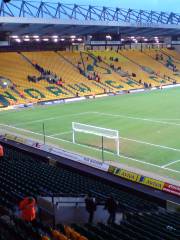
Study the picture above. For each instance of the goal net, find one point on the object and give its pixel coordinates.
(97, 137)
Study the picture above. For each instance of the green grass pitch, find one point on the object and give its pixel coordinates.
(148, 125)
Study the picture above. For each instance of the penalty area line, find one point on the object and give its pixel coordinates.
(137, 118)
(51, 118)
(60, 133)
(168, 164)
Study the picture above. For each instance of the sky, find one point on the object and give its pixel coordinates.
(158, 5)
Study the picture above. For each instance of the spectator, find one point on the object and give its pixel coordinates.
(45, 238)
(112, 66)
(1, 152)
(28, 209)
(90, 207)
(111, 205)
(99, 58)
(37, 145)
(21, 94)
(133, 75)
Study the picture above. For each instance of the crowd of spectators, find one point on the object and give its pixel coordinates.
(146, 85)
(159, 57)
(90, 75)
(170, 63)
(114, 59)
(47, 75)
(94, 76)
(117, 69)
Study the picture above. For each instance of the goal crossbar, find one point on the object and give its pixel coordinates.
(104, 132)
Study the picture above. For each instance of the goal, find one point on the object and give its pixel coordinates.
(110, 134)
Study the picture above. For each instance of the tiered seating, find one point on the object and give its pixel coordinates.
(17, 172)
(142, 220)
(165, 59)
(149, 64)
(158, 52)
(129, 67)
(136, 227)
(16, 68)
(17, 229)
(117, 79)
(172, 53)
(73, 80)
(109, 80)
(74, 58)
(135, 70)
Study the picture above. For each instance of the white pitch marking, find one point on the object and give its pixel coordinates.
(59, 134)
(137, 118)
(130, 158)
(166, 119)
(52, 118)
(168, 164)
(152, 144)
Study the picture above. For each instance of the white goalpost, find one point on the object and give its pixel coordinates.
(98, 131)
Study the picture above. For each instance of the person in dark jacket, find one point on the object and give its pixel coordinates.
(111, 205)
(90, 207)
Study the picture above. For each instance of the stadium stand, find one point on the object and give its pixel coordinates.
(104, 58)
(172, 53)
(150, 65)
(18, 170)
(143, 219)
(64, 69)
(128, 68)
(71, 74)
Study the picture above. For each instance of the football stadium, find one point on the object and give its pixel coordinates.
(89, 122)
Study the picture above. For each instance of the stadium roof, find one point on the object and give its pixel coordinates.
(45, 18)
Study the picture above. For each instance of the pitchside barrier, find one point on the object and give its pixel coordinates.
(157, 184)
(135, 177)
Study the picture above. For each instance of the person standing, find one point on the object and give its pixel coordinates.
(27, 208)
(111, 206)
(90, 207)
